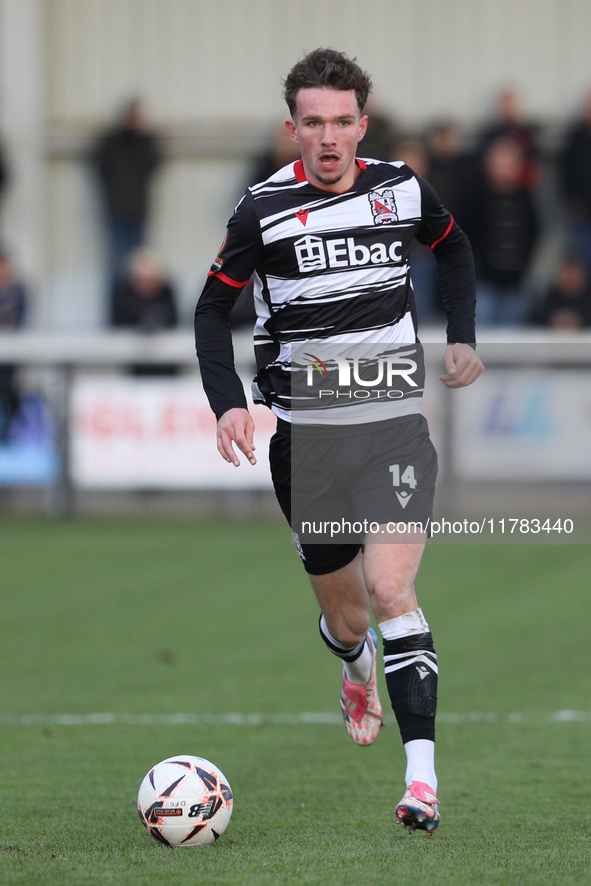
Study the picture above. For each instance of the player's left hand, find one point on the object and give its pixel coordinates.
(463, 366)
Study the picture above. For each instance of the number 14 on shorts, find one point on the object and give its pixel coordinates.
(407, 476)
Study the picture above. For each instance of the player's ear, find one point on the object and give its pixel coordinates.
(363, 126)
(291, 128)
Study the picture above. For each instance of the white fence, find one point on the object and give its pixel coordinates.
(525, 425)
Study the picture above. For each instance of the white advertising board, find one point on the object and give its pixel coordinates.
(524, 424)
(155, 433)
(135, 433)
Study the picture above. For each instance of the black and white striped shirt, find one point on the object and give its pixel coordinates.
(328, 268)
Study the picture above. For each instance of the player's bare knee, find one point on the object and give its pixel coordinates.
(348, 628)
(348, 637)
(392, 596)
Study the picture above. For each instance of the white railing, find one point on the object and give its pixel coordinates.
(59, 357)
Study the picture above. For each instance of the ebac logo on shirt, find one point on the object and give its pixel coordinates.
(316, 254)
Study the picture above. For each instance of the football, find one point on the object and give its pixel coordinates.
(185, 801)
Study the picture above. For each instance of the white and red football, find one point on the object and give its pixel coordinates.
(185, 801)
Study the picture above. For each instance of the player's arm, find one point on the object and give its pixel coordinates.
(229, 273)
(213, 339)
(457, 284)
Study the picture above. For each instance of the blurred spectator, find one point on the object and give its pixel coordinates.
(423, 268)
(509, 122)
(501, 221)
(281, 151)
(567, 304)
(3, 173)
(126, 158)
(447, 164)
(144, 300)
(412, 152)
(575, 180)
(12, 314)
(379, 141)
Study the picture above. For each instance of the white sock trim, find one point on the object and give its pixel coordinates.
(347, 649)
(404, 625)
(358, 671)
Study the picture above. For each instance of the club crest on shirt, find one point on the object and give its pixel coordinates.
(383, 206)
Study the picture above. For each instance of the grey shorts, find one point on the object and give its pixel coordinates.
(333, 486)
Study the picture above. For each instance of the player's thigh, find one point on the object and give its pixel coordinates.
(397, 493)
(396, 487)
(306, 478)
(280, 464)
(318, 558)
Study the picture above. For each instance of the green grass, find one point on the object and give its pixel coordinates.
(161, 618)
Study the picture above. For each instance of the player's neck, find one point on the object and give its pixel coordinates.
(345, 183)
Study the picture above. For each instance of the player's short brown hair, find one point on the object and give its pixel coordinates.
(326, 67)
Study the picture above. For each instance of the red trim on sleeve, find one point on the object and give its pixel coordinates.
(449, 227)
(226, 279)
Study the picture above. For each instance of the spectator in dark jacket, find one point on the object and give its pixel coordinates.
(125, 159)
(12, 315)
(381, 135)
(575, 181)
(501, 221)
(144, 300)
(423, 267)
(449, 168)
(278, 154)
(509, 122)
(3, 173)
(567, 304)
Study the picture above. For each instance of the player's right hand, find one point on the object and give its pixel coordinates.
(463, 366)
(236, 427)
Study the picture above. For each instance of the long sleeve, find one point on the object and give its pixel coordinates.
(213, 339)
(457, 284)
(229, 273)
(455, 265)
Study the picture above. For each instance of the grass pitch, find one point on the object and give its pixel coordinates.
(157, 619)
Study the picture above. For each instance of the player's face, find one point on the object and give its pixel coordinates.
(328, 127)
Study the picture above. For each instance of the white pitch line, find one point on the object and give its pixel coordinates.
(302, 719)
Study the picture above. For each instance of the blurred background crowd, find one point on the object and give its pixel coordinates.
(130, 128)
(521, 193)
(128, 131)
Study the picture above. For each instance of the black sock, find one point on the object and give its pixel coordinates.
(411, 677)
